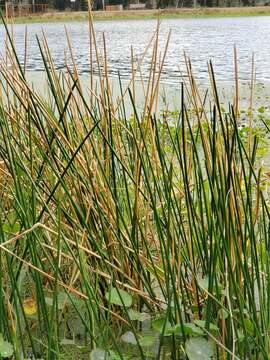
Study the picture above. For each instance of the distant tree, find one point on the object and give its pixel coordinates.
(114, 2)
(82, 5)
(61, 4)
(161, 4)
(97, 5)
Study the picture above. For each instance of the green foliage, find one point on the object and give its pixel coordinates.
(199, 349)
(6, 349)
(103, 213)
(139, 316)
(119, 297)
(162, 325)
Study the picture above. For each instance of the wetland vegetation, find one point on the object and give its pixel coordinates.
(131, 237)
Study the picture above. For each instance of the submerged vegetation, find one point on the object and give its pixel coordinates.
(130, 234)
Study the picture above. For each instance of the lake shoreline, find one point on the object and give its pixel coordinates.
(226, 90)
(170, 13)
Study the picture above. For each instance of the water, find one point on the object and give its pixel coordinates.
(202, 39)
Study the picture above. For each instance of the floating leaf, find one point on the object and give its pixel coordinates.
(77, 301)
(6, 349)
(98, 354)
(119, 297)
(203, 283)
(49, 301)
(129, 338)
(192, 329)
(202, 323)
(30, 307)
(62, 300)
(162, 325)
(139, 316)
(147, 340)
(199, 349)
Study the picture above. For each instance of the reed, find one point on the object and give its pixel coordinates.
(124, 237)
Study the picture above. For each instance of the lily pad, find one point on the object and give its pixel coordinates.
(201, 323)
(129, 338)
(6, 348)
(119, 297)
(98, 354)
(199, 349)
(147, 340)
(192, 329)
(138, 316)
(203, 283)
(144, 341)
(62, 300)
(163, 326)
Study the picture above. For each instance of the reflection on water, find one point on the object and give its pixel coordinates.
(201, 38)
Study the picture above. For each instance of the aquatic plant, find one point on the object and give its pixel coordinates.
(129, 232)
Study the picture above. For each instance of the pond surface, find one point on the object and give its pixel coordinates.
(202, 39)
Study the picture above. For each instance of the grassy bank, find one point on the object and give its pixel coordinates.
(131, 237)
(146, 14)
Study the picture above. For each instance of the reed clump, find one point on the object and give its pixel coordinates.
(140, 236)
